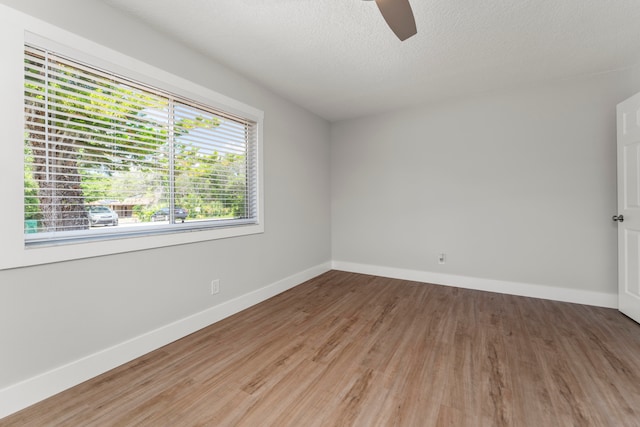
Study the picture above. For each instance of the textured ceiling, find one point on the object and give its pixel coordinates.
(338, 58)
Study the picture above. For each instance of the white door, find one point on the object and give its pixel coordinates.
(628, 216)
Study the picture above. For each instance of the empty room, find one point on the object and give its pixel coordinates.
(329, 213)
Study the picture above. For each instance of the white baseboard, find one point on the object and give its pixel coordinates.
(19, 396)
(600, 299)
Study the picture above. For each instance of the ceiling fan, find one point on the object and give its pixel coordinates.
(399, 17)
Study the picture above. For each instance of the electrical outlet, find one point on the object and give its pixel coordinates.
(442, 258)
(215, 286)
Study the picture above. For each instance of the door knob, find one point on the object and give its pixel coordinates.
(618, 218)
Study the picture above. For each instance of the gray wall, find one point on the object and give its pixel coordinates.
(517, 186)
(55, 314)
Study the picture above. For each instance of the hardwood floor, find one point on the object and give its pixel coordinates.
(347, 349)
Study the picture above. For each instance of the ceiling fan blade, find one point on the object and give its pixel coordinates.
(399, 17)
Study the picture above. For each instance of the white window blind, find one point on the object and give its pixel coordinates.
(107, 157)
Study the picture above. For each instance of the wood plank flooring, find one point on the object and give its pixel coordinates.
(347, 349)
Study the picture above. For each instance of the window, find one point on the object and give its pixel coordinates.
(87, 129)
(108, 157)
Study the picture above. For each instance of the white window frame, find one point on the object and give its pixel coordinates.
(19, 29)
